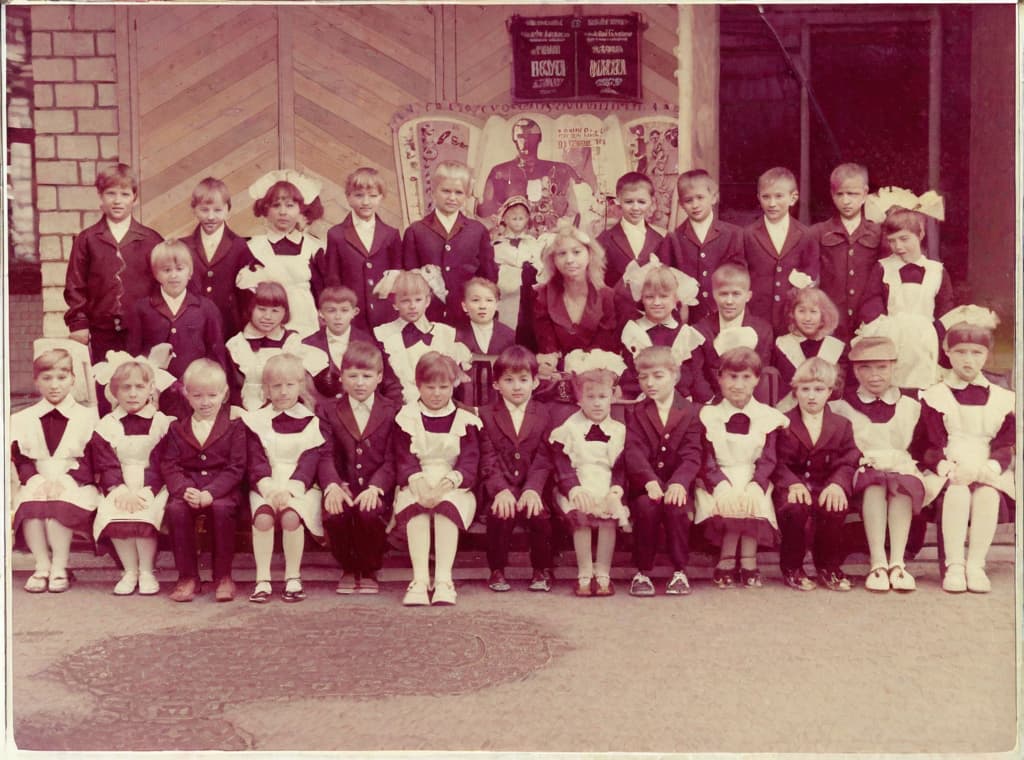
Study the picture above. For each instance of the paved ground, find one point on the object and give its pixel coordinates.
(728, 671)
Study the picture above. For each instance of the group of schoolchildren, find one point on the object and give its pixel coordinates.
(382, 382)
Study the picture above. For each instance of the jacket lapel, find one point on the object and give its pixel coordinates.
(503, 420)
(220, 427)
(348, 228)
(348, 420)
(796, 424)
(792, 235)
(676, 413)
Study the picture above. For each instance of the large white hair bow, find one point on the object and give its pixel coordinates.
(157, 361)
(978, 316)
(879, 203)
(579, 361)
(309, 187)
(634, 276)
(735, 337)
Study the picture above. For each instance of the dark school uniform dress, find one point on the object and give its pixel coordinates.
(194, 332)
(973, 424)
(461, 254)
(912, 296)
(214, 278)
(346, 261)
(435, 446)
(832, 459)
(320, 363)
(668, 453)
(217, 465)
(684, 340)
(618, 252)
(682, 249)
(48, 443)
(479, 391)
(126, 452)
(104, 280)
(770, 269)
(758, 337)
(847, 260)
(516, 461)
(359, 459)
(739, 448)
(884, 428)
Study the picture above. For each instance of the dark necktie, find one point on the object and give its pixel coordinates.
(738, 424)
(596, 434)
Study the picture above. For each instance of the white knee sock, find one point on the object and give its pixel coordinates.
(293, 542)
(262, 549)
(418, 532)
(34, 532)
(900, 514)
(956, 510)
(984, 516)
(446, 543)
(127, 553)
(605, 550)
(59, 538)
(874, 511)
(146, 548)
(584, 556)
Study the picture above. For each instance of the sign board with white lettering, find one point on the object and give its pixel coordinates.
(576, 57)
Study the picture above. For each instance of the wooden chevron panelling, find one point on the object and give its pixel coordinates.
(210, 81)
(484, 51)
(353, 68)
(207, 95)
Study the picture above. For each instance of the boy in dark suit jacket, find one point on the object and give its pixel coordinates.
(849, 246)
(338, 307)
(777, 247)
(359, 477)
(218, 254)
(515, 466)
(108, 270)
(631, 239)
(817, 458)
(360, 250)
(703, 242)
(484, 338)
(190, 323)
(663, 454)
(731, 326)
(203, 464)
(458, 246)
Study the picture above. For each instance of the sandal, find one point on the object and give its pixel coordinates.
(58, 584)
(37, 583)
(293, 590)
(261, 594)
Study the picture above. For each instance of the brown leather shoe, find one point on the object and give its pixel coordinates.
(186, 590)
(225, 590)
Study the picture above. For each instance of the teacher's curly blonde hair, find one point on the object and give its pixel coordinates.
(595, 266)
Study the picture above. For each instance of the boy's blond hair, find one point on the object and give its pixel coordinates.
(208, 188)
(730, 272)
(204, 371)
(694, 176)
(50, 359)
(654, 357)
(364, 178)
(116, 175)
(815, 369)
(170, 250)
(776, 174)
(844, 172)
(410, 282)
(451, 170)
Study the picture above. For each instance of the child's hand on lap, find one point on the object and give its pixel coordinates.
(279, 499)
(833, 499)
(504, 505)
(675, 495)
(726, 498)
(205, 498)
(530, 501)
(52, 490)
(798, 494)
(335, 498)
(580, 498)
(654, 492)
(369, 499)
(753, 494)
